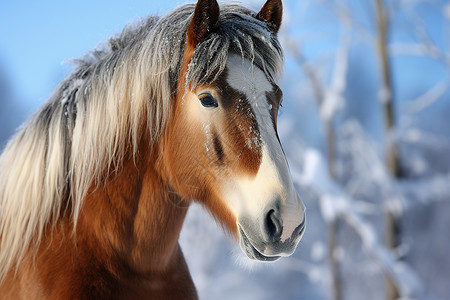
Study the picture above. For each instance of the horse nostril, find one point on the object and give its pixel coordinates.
(273, 226)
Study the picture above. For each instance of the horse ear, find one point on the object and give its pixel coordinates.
(204, 20)
(271, 13)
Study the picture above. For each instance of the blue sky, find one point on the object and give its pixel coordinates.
(38, 38)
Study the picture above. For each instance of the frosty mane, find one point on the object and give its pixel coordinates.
(97, 116)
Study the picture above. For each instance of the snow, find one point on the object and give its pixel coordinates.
(74, 84)
(384, 95)
(208, 135)
(360, 198)
(427, 99)
(333, 97)
(364, 192)
(446, 11)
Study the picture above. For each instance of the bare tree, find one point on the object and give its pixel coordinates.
(386, 96)
(328, 100)
(401, 279)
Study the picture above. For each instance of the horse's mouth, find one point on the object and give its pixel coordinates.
(251, 251)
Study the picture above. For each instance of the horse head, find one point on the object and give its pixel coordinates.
(221, 144)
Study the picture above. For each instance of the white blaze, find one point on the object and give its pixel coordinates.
(251, 195)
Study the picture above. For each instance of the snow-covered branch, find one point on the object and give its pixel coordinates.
(424, 44)
(334, 203)
(428, 98)
(333, 100)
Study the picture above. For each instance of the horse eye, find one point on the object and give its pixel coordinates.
(208, 101)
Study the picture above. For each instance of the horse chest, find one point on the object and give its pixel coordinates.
(68, 278)
(173, 283)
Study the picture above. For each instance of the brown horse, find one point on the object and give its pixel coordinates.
(95, 188)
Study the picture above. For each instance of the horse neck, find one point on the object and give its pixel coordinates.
(134, 218)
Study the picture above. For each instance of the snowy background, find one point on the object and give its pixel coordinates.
(332, 126)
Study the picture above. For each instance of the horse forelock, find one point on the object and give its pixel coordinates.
(240, 33)
(97, 116)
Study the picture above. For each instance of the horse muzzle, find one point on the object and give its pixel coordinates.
(276, 234)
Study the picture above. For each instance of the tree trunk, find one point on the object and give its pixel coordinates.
(330, 143)
(333, 226)
(392, 228)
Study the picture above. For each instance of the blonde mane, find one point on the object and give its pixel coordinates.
(96, 117)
